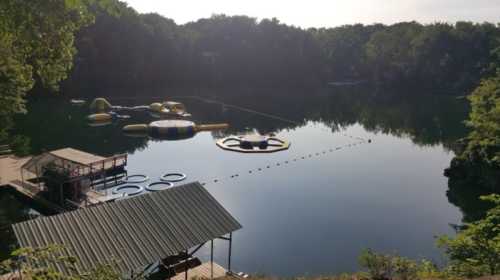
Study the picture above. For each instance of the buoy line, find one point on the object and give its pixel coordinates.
(286, 162)
(261, 113)
(247, 110)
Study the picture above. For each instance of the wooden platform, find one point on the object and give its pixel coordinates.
(202, 272)
(10, 173)
(10, 168)
(31, 191)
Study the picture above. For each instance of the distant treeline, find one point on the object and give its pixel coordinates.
(150, 51)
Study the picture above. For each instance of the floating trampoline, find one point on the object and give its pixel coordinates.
(138, 178)
(173, 177)
(253, 143)
(171, 129)
(99, 117)
(129, 190)
(99, 123)
(159, 186)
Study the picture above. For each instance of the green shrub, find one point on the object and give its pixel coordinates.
(391, 266)
(475, 251)
(20, 145)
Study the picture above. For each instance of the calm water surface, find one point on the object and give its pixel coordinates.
(304, 216)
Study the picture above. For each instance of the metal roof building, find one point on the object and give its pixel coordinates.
(135, 232)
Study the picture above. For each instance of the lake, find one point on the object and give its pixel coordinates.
(309, 210)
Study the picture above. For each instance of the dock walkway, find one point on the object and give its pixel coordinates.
(202, 272)
(10, 168)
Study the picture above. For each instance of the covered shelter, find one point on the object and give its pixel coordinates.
(154, 228)
(68, 174)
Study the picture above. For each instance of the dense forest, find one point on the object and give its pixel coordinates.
(150, 51)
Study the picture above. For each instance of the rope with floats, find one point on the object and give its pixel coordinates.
(247, 110)
(286, 162)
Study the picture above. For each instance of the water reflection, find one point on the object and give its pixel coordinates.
(389, 194)
(425, 119)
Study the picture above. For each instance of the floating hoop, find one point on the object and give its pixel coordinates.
(143, 179)
(152, 187)
(180, 177)
(130, 190)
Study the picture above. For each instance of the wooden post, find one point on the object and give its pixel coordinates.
(61, 193)
(38, 176)
(22, 177)
(186, 265)
(229, 257)
(212, 259)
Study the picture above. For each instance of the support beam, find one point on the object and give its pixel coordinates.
(229, 256)
(22, 177)
(187, 267)
(212, 259)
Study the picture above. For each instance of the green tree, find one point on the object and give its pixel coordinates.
(484, 119)
(388, 52)
(476, 249)
(389, 266)
(47, 263)
(478, 157)
(37, 47)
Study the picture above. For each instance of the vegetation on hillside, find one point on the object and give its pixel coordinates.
(475, 250)
(476, 168)
(151, 51)
(45, 264)
(36, 47)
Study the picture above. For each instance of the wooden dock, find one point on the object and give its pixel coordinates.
(10, 168)
(85, 171)
(10, 176)
(202, 271)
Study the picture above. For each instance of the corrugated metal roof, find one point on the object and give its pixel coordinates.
(134, 232)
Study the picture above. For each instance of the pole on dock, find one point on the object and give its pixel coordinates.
(212, 259)
(186, 265)
(229, 257)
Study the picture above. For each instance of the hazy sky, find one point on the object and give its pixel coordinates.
(321, 13)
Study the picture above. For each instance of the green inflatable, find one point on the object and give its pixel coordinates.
(100, 105)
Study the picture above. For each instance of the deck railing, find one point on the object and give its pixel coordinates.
(100, 166)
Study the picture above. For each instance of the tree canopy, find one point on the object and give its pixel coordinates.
(475, 250)
(37, 47)
(151, 51)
